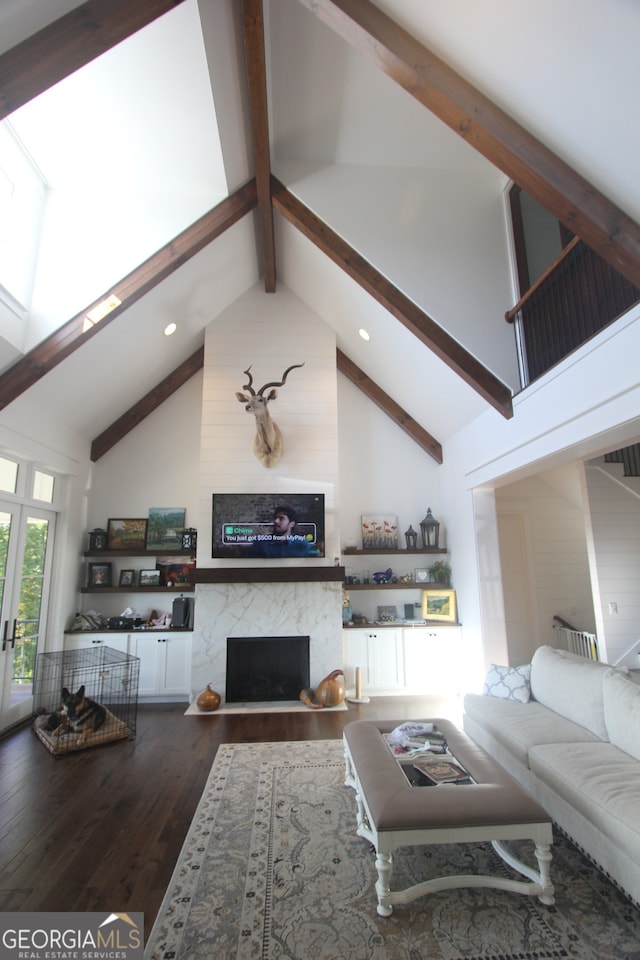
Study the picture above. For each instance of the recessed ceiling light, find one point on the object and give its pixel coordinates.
(363, 333)
(170, 328)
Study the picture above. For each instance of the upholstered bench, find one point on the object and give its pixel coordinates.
(392, 813)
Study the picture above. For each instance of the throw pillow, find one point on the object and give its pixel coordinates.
(508, 683)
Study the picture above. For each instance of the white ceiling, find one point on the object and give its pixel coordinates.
(130, 144)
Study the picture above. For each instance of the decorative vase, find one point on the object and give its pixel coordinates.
(330, 692)
(208, 700)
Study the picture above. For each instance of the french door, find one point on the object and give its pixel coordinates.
(26, 546)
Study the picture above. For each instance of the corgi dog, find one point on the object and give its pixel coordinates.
(79, 714)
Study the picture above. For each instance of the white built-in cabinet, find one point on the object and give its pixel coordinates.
(165, 659)
(404, 660)
(165, 664)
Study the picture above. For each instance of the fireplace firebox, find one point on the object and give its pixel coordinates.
(266, 668)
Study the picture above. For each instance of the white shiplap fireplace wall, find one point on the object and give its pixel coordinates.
(268, 332)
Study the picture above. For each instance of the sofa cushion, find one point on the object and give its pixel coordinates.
(571, 686)
(519, 726)
(621, 697)
(508, 683)
(599, 781)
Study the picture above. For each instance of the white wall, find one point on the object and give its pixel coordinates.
(614, 527)
(573, 412)
(554, 528)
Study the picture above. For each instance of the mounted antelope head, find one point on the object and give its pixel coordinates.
(268, 444)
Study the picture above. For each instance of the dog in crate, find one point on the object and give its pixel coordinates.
(78, 714)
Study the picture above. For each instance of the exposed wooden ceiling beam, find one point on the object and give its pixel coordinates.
(399, 416)
(137, 413)
(393, 300)
(71, 335)
(69, 43)
(569, 197)
(253, 21)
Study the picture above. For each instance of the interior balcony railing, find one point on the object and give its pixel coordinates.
(578, 295)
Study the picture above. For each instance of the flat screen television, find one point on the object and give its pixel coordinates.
(272, 526)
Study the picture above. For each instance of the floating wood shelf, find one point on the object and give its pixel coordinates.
(267, 574)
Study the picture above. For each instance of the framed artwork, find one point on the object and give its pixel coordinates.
(99, 575)
(379, 531)
(422, 575)
(127, 535)
(174, 574)
(164, 528)
(127, 578)
(440, 605)
(387, 613)
(149, 578)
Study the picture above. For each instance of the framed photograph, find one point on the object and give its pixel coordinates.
(440, 605)
(99, 575)
(174, 574)
(387, 613)
(379, 531)
(149, 578)
(422, 575)
(127, 578)
(127, 535)
(164, 528)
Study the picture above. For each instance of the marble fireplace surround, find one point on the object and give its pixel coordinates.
(265, 602)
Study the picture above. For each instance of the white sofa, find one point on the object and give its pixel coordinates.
(568, 729)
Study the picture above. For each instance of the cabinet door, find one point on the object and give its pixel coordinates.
(379, 655)
(175, 665)
(432, 660)
(165, 664)
(385, 660)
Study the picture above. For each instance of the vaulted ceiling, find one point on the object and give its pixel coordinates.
(267, 229)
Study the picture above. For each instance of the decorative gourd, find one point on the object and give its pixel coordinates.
(208, 700)
(331, 691)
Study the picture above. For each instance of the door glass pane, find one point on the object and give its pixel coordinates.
(29, 607)
(42, 486)
(5, 531)
(8, 475)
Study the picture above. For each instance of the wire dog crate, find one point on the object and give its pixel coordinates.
(110, 678)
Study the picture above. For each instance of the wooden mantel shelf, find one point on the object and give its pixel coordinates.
(267, 574)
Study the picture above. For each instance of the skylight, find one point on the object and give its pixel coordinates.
(22, 196)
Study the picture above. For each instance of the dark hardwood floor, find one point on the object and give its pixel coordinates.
(102, 829)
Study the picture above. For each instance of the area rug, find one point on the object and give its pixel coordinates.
(272, 869)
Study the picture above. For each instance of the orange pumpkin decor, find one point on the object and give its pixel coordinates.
(330, 692)
(209, 700)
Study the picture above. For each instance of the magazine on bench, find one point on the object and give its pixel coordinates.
(441, 771)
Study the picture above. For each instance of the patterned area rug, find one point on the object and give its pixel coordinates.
(272, 868)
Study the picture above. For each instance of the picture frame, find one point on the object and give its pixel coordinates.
(387, 613)
(149, 578)
(127, 578)
(164, 528)
(440, 605)
(421, 575)
(99, 574)
(379, 531)
(175, 573)
(127, 534)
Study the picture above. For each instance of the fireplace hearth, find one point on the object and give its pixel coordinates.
(266, 668)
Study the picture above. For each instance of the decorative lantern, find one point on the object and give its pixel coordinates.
(411, 537)
(189, 539)
(97, 539)
(430, 530)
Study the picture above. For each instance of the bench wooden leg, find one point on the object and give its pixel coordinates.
(384, 866)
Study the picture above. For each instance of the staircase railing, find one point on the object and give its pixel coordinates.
(577, 296)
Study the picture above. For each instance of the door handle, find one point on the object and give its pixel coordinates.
(4, 636)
